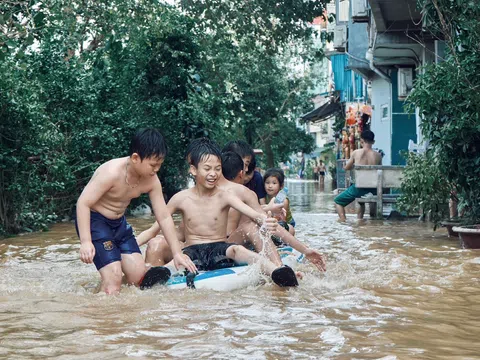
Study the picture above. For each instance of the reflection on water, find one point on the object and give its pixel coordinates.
(393, 290)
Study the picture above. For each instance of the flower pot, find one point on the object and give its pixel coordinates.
(449, 224)
(469, 236)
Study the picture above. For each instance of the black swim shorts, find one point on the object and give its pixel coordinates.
(209, 256)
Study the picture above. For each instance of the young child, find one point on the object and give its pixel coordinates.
(205, 210)
(106, 238)
(274, 180)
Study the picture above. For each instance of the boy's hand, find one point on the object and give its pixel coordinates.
(182, 260)
(270, 223)
(87, 252)
(316, 258)
(274, 207)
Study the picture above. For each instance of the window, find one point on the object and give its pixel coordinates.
(343, 10)
(385, 112)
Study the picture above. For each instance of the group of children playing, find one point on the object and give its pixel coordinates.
(225, 212)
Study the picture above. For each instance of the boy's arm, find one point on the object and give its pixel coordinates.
(251, 199)
(312, 255)
(258, 216)
(148, 234)
(272, 206)
(163, 214)
(95, 189)
(350, 162)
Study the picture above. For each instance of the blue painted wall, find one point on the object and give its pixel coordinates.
(343, 79)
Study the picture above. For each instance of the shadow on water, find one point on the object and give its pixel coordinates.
(393, 290)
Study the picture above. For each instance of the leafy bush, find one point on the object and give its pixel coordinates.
(425, 189)
(449, 101)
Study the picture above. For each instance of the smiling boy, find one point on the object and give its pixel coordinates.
(106, 239)
(205, 210)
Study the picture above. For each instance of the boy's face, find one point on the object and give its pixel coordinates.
(148, 166)
(246, 161)
(247, 177)
(208, 172)
(272, 186)
(239, 179)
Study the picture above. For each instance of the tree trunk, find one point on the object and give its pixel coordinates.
(269, 153)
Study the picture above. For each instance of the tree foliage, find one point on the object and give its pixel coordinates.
(448, 98)
(425, 189)
(79, 77)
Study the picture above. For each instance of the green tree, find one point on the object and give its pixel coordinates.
(446, 94)
(79, 77)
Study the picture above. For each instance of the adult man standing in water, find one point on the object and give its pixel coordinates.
(364, 156)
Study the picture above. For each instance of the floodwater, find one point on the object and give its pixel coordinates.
(393, 290)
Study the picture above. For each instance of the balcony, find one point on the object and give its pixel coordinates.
(395, 15)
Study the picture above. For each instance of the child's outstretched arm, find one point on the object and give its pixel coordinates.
(165, 222)
(148, 234)
(312, 255)
(259, 217)
(98, 185)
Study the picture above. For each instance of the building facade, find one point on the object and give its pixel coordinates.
(383, 42)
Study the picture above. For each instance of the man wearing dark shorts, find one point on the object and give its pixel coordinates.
(364, 156)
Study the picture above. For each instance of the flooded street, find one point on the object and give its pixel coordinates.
(393, 290)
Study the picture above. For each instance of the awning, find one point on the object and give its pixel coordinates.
(322, 112)
(316, 153)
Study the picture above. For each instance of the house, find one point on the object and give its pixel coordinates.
(342, 86)
(383, 41)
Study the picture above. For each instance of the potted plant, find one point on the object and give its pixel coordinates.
(448, 99)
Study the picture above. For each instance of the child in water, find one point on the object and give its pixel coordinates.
(274, 180)
(106, 239)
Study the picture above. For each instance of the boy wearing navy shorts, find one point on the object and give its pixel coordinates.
(106, 238)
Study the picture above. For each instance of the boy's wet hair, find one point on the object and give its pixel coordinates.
(232, 164)
(148, 143)
(368, 136)
(240, 147)
(276, 173)
(202, 148)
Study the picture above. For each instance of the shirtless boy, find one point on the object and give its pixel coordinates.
(106, 239)
(364, 156)
(240, 229)
(205, 213)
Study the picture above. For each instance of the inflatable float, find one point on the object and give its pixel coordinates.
(232, 278)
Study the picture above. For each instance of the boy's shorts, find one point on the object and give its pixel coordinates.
(352, 193)
(111, 238)
(209, 256)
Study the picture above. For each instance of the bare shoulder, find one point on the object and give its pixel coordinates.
(238, 190)
(357, 153)
(110, 170)
(223, 193)
(179, 197)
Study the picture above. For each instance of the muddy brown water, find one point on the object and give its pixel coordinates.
(393, 290)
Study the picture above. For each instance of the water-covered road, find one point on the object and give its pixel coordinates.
(393, 290)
